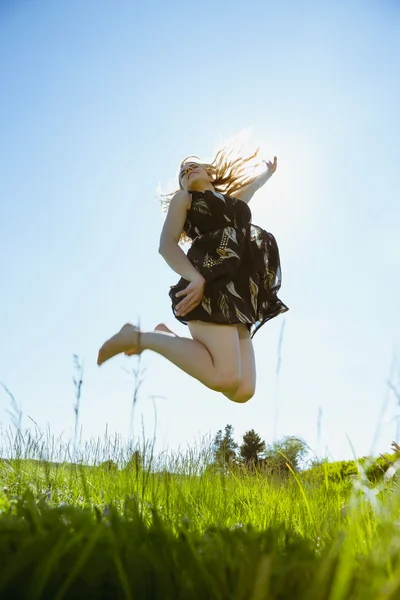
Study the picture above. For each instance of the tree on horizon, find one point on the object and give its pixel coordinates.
(251, 448)
(224, 446)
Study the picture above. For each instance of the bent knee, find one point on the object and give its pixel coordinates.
(243, 394)
(227, 383)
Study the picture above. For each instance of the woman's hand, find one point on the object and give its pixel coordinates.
(271, 166)
(193, 294)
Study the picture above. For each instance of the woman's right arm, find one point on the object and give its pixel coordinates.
(171, 232)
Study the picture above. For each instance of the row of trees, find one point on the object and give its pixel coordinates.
(276, 459)
(253, 451)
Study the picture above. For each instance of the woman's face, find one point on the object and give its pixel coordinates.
(191, 174)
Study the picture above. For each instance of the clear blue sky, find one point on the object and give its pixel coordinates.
(100, 102)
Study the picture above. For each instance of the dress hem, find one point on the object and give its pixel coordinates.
(252, 326)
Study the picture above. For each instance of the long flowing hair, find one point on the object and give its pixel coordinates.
(228, 174)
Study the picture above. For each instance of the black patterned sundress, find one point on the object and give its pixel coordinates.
(239, 261)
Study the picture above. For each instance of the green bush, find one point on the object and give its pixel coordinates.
(335, 472)
(341, 471)
(379, 466)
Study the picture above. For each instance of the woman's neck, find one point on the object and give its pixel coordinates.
(201, 186)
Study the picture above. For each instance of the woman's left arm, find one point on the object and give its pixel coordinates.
(247, 192)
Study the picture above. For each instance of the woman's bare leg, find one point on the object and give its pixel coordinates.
(161, 327)
(247, 385)
(212, 356)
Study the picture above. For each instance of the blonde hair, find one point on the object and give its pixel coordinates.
(228, 175)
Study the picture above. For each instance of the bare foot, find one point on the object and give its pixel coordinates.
(164, 328)
(125, 340)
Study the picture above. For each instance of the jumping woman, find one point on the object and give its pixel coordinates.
(229, 281)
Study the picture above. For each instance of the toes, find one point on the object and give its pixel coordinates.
(101, 357)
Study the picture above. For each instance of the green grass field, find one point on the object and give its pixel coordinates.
(112, 521)
(174, 529)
